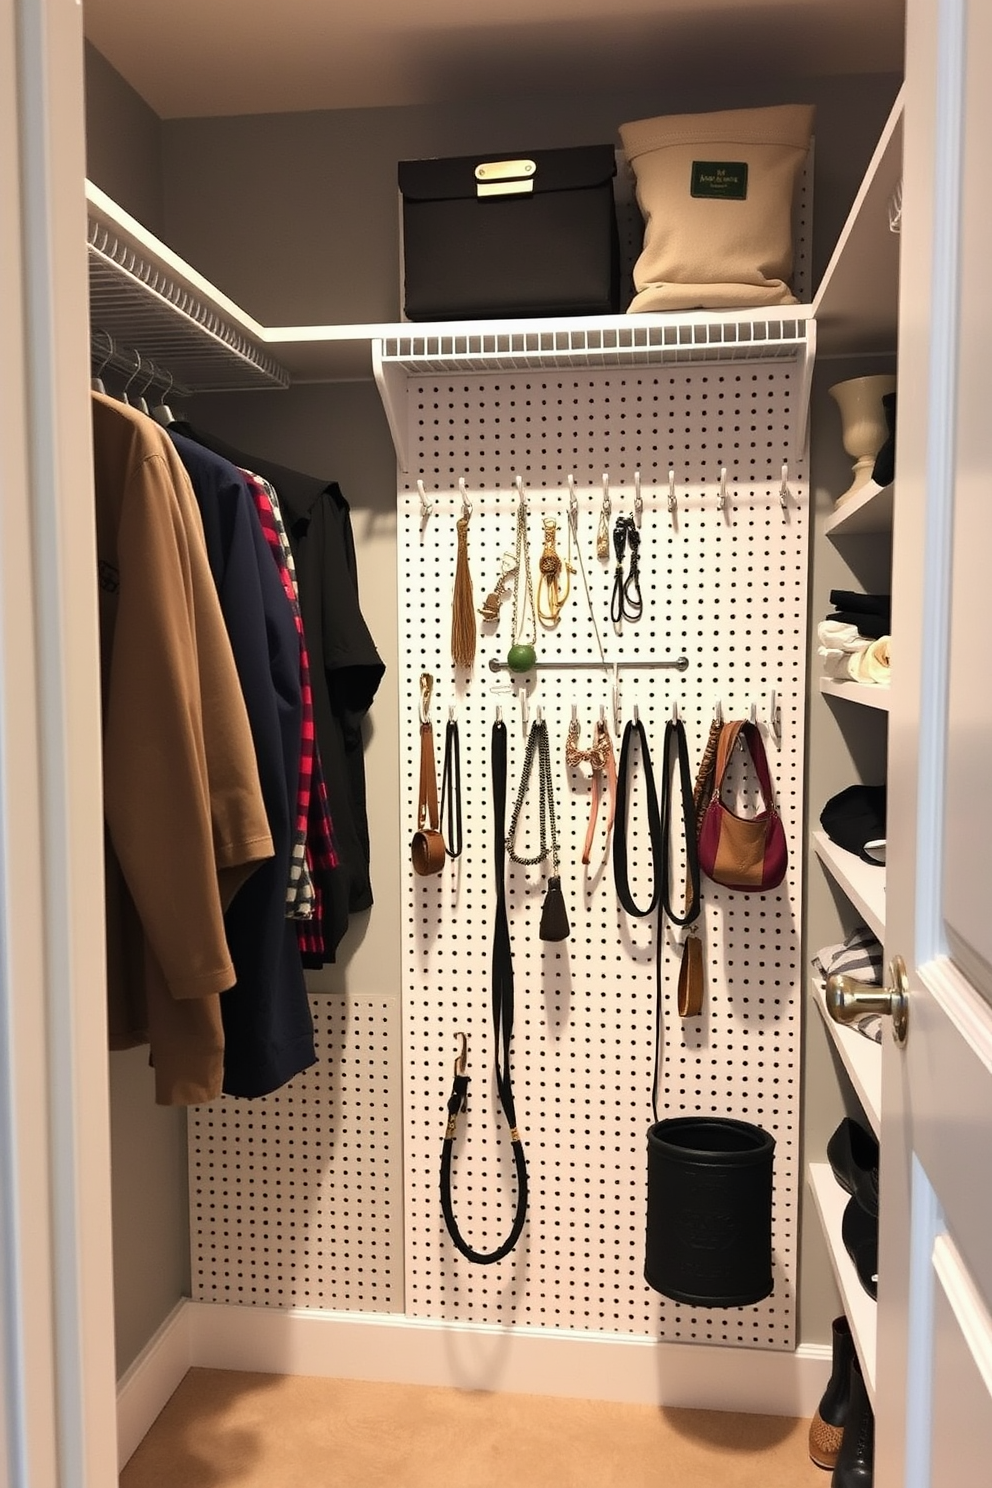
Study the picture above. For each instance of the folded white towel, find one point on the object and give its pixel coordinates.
(839, 641)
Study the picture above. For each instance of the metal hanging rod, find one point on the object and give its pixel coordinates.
(680, 664)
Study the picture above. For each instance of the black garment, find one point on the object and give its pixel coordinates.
(864, 604)
(872, 627)
(345, 669)
(268, 1030)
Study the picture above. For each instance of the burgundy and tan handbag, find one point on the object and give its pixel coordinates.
(747, 853)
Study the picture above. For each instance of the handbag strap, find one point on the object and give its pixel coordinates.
(451, 790)
(750, 736)
(502, 1011)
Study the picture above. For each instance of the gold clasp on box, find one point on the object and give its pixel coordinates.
(505, 177)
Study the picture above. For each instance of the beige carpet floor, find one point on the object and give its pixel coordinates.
(223, 1429)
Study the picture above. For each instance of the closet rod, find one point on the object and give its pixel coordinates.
(680, 664)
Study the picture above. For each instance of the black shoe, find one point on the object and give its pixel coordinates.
(859, 1230)
(856, 1458)
(852, 1151)
(826, 1430)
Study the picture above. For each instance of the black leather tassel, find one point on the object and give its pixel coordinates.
(554, 915)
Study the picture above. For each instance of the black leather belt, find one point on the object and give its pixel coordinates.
(502, 1005)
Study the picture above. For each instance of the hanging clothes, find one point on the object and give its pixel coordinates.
(186, 826)
(268, 1029)
(345, 668)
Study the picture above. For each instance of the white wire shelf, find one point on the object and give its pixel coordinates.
(605, 341)
(150, 304)
(860, 1309)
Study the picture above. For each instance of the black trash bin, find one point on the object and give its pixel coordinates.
(709, 1225)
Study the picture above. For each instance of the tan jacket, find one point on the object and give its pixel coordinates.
(184, 816)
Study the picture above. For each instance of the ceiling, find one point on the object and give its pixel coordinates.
(190, 58)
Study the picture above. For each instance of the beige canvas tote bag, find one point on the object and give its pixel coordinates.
(716, 193)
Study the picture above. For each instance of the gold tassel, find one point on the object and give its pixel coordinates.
(463, 604)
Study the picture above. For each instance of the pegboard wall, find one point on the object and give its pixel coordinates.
(295, 1199)
(727, 589)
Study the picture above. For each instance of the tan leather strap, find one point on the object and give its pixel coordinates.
(691, 978)
(728, 738)
(427, 848)
(427, 811)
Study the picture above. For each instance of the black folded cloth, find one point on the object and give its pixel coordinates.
(872, 627)
(863, 604)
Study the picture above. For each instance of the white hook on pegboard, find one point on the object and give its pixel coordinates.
(426, 507)
(784, 494)
(638, 498)
(673, 504)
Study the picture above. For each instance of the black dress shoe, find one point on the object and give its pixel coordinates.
(852, 1152)
(856, 1458)
(859, 1230)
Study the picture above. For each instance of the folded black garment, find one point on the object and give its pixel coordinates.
(870, 626)
(864, 604)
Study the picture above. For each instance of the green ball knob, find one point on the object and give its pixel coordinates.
(521, 658)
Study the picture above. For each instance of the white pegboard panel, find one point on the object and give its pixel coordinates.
(296, 1198)
(727, 589)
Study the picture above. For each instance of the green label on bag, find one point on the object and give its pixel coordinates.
(720, 178)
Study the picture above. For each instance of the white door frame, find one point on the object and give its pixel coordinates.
(57, 1427)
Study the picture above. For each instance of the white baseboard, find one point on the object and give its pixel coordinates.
(145, 1387)
(518, 1360)
(467, 1356)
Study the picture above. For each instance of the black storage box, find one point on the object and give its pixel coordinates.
(513, 234)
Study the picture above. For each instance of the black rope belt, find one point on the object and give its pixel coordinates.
(502, 1006)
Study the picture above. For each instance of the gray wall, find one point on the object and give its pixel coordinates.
(123, 143)
(295, 215)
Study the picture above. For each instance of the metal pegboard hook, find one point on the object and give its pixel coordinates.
(775, 719)
(638, 498)
(426, 507)
(784, 494)
(427, 689)
(463, 492)
(721, 499)
(673, 503)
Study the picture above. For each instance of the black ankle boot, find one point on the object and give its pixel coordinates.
(856, 1458)
(826, 1429)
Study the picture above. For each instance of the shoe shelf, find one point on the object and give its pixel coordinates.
(860, 1056)
(860, 1309)
(865, 514)
(868, 694)
(862, 883)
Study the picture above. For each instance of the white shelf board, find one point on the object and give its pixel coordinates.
(866, 513)
(860, 1309)
(341, 352)
(868, 694)
(863, 883)
(860, 1056)
(857, 303)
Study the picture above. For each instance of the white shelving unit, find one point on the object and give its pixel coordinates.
(863, 883)
(857, 315)
(862, 1059)
(863, 515)
(866, 694)
(857, 304)
(861, 1310)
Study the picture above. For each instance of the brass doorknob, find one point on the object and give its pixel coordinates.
(848, 999)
